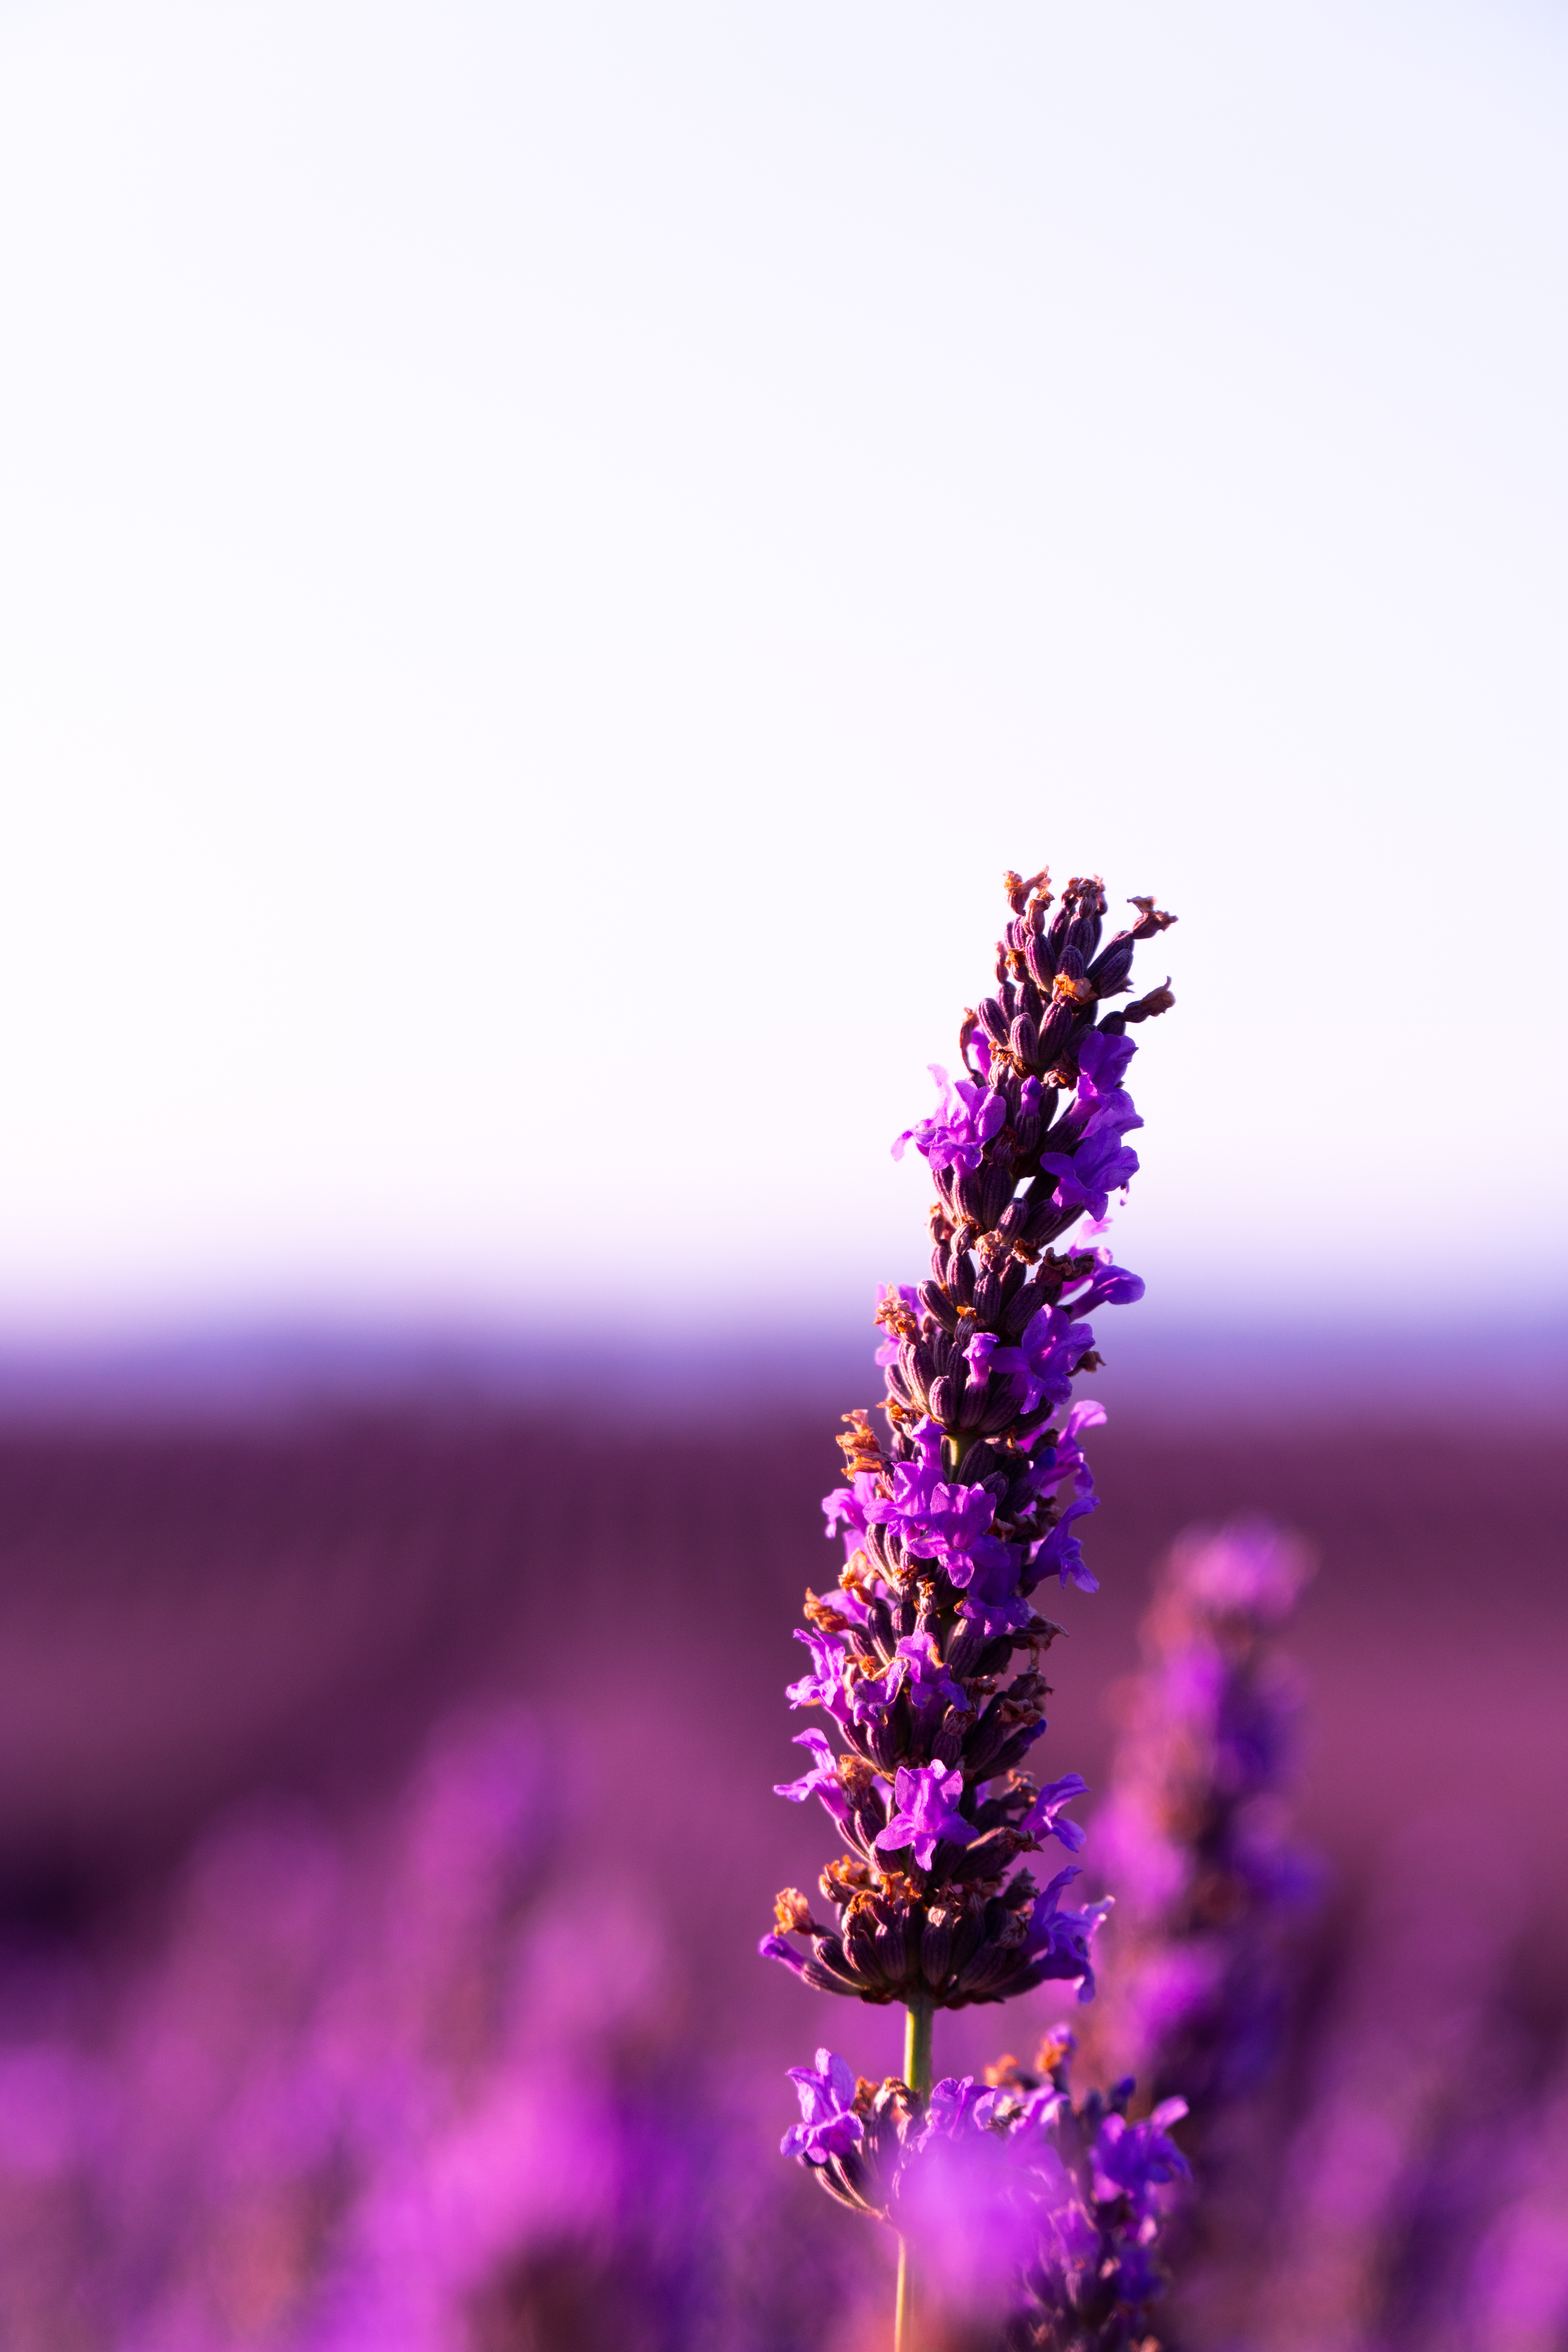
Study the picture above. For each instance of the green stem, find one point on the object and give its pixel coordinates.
(917, 2047)
(917, 2074)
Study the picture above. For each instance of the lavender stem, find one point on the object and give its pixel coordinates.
(917, 2027)
(904, 2338)
(917, 2047)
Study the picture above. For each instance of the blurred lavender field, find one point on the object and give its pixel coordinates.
(386, 1832)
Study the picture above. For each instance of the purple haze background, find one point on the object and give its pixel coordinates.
(551, 558)
(385, 1830)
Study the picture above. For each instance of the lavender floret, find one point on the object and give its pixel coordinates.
(830, 2126)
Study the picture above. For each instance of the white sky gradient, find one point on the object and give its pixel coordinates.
(550, 555)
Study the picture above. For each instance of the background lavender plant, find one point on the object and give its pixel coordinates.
(1193, 1832)
(1202, 1966)
(162, 1982)
(950, 1523)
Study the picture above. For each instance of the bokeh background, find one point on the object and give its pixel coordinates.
(549, 558)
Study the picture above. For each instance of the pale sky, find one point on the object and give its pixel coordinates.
(550, 555)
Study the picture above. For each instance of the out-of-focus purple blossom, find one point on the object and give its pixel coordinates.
(370, 2084)
(1193, 1835)
(1409, 2032)
(1039, 2218)
(1097, 2269)
(953, 2107)
(1134, 2160)
(1516, 2293)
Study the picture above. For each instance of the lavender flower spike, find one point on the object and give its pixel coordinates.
(1192, 1834)
(926, 1661)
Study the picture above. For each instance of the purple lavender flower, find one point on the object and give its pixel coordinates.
(1136, 2160)
(1191, 1834)
(829, 2125)
(824, 1685)
(822, 1780)
(917, 1669)
(1044, 1816)
(1110, 1286)
(927, 1660)
(1096, 2268)
(1102, 1064)
(1101, 1165)
(926, 1812)
(1039, 2218)
(1050, 1351)
(1061, 1552)
(967, 1117)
